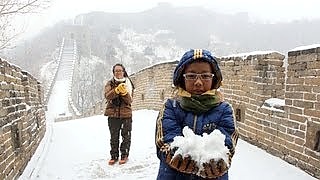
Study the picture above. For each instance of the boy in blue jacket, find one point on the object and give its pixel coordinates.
(199, 106)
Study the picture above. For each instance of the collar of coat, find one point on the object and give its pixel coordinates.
(184, 93)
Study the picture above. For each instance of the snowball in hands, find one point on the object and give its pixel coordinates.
(201, 148)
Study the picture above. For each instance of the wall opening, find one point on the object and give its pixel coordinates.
(317, 140)
(162, 94)
(142, 97)
(313, 136)
(15, 136)
(238, 115)
(38, 122)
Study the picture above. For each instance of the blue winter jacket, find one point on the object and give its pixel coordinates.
(172, 119)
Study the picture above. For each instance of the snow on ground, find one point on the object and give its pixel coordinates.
(60, 108)
(79, 149)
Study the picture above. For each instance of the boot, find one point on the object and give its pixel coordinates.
(123, 159)
(113, 160)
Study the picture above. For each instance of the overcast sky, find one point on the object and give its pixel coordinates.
(266, 10)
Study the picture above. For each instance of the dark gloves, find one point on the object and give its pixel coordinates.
(214, 169)
(182, 164)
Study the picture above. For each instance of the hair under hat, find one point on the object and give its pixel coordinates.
(197, 55)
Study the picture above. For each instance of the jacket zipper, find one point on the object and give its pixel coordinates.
(195, 123)
(119, 108)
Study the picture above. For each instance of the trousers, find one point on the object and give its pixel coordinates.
(117, 126)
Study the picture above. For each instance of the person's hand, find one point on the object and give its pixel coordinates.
(121, 89)
(182, 164)
(214, 169)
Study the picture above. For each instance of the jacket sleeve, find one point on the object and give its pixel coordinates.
(167, 128)
(109, 92)
(228, 127)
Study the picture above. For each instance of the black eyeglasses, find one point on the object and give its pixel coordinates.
(194, 76)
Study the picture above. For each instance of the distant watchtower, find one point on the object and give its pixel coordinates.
(79, 33)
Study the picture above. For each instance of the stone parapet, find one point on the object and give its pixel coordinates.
(153, 86)
(22, 119)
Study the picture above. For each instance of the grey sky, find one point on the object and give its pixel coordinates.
(264, 10)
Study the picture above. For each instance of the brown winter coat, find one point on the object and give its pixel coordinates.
(117, 106)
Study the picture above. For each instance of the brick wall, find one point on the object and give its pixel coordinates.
(303, 109)
(153, 86)
(248, 82)
(22, 119)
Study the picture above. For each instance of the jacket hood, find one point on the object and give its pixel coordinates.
(197, 55)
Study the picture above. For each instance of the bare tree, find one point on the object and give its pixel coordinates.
(10, 9)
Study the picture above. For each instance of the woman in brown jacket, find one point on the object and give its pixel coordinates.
(118, 92)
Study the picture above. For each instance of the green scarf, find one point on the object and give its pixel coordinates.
(199, 104)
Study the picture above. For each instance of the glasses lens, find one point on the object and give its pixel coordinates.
(206, 76)
(193, 76)
(190, 76)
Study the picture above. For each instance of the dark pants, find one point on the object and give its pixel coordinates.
(117, 125)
